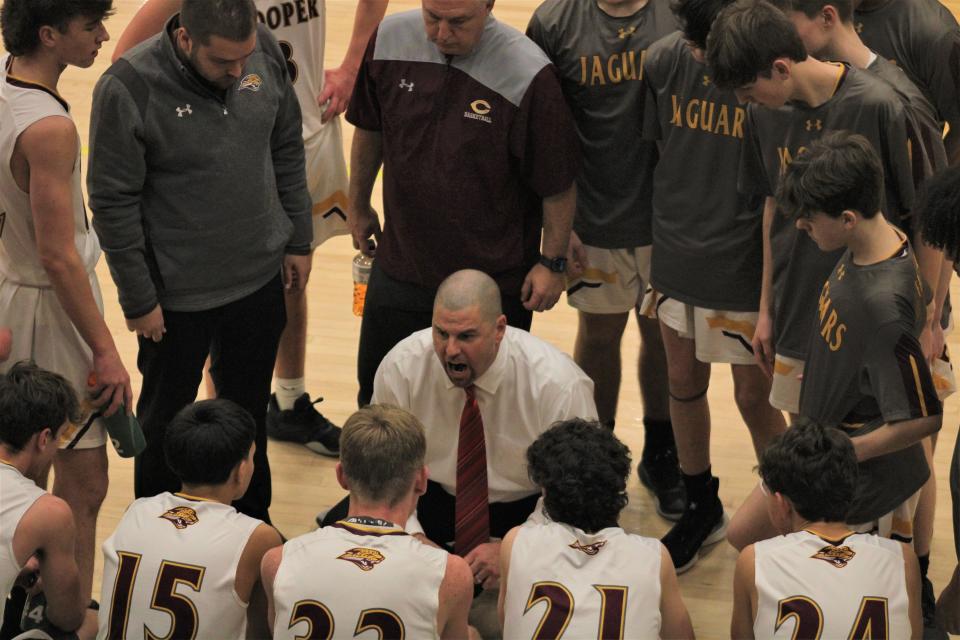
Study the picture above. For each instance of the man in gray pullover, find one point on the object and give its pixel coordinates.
(199, 198)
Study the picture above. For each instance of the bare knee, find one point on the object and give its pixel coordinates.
(601, 331)
(750, 398)
(739, 534)
(751, 388)
(689, 378)
(751, 523)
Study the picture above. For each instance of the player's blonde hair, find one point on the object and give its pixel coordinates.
(382, 447)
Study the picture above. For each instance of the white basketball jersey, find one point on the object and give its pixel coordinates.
(170, 568)
(564, 582)
(300, 28)
(17, 494)
(849, 588)
(22, 104)
(352, 579)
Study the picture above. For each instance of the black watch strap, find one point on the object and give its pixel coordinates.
(557, 265)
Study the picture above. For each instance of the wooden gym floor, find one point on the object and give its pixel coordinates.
(304, 482)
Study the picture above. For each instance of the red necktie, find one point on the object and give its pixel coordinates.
(472, 524)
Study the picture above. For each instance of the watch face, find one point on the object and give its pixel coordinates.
(557, 265)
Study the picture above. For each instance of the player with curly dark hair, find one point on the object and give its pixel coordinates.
(566, 551)
(592, 498)
(939, 209)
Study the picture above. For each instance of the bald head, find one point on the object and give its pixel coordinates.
(467, 325)
(467, 288)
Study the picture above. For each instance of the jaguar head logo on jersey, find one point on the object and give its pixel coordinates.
(364, 558)
(837, 556)
(250, 82)
(181, 517)
(591, 549)
(479, 110)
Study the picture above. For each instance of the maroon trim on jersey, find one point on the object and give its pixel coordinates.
(833, 541)
(26, 84)
(842, 78)
(917, 382)
(361, 530)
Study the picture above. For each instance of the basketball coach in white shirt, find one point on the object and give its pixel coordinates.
(484, 392)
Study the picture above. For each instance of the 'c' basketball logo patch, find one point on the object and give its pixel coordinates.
(480, 107)
(181, 517)
(251, 82)
(589, 549)
(364, 558)
(837, 556)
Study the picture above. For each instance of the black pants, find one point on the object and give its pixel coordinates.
(241, 338)
(393, 310)
(436, 512)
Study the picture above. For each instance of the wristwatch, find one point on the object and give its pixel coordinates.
(557, 265)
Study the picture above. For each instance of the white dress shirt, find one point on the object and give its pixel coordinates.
(530, 385)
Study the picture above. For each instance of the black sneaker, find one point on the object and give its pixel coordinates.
(304, 425)
(702, 524)
(928, 606)
(661, 475)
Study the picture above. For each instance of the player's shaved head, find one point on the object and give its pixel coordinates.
(468, 288)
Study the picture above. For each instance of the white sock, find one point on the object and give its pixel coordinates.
(288, 390)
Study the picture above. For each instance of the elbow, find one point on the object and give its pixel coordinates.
(55, 263)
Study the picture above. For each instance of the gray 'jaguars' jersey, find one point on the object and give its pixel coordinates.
(707, 247)
(862, 104)
(865, 368)
(600, 59)
(922, 38)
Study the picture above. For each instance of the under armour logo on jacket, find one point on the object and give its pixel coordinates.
(814, 124)
(184, 110)
(406, 85)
